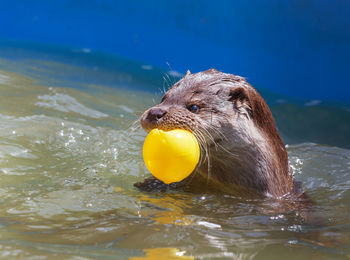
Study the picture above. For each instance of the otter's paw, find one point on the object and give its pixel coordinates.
(153, 184)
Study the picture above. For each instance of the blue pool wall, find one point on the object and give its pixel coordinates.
(295, 48)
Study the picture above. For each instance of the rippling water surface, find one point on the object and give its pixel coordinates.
(70, 153)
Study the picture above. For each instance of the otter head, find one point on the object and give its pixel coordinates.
(234, 127)
(190, 104)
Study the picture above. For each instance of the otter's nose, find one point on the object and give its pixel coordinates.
(154, 114)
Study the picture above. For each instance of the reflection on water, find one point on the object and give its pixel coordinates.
(163, 253)
(70, 153)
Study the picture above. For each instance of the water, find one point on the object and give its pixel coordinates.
(70, 153)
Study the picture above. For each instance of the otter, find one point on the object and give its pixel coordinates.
(241, 149)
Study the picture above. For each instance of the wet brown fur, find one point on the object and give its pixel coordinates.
(241, 150)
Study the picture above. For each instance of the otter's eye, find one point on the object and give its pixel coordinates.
(193, 108)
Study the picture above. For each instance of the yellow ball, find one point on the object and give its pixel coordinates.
(171, 156)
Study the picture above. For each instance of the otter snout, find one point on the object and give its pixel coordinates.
(151, 118)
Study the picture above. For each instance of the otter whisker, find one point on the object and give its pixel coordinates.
(135, 125)
(173, 76)
(166, 82)
(209, 165)
(205, 150)
(216, 144)
(154, 101)
(206, 135)
(200, 138)
(134, 128)
(209, 136)
(207, 157)
(202, 143)
(218, 132)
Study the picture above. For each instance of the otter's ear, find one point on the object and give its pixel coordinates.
(240, 98)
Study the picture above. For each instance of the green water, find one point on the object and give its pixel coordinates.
(70, 153)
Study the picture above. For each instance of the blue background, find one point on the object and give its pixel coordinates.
(295, 48)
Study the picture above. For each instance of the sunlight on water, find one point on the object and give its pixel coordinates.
(70, 153)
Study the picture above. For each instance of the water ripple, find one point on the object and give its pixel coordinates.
(65, 103)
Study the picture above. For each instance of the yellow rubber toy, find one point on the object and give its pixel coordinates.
(172, 155)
